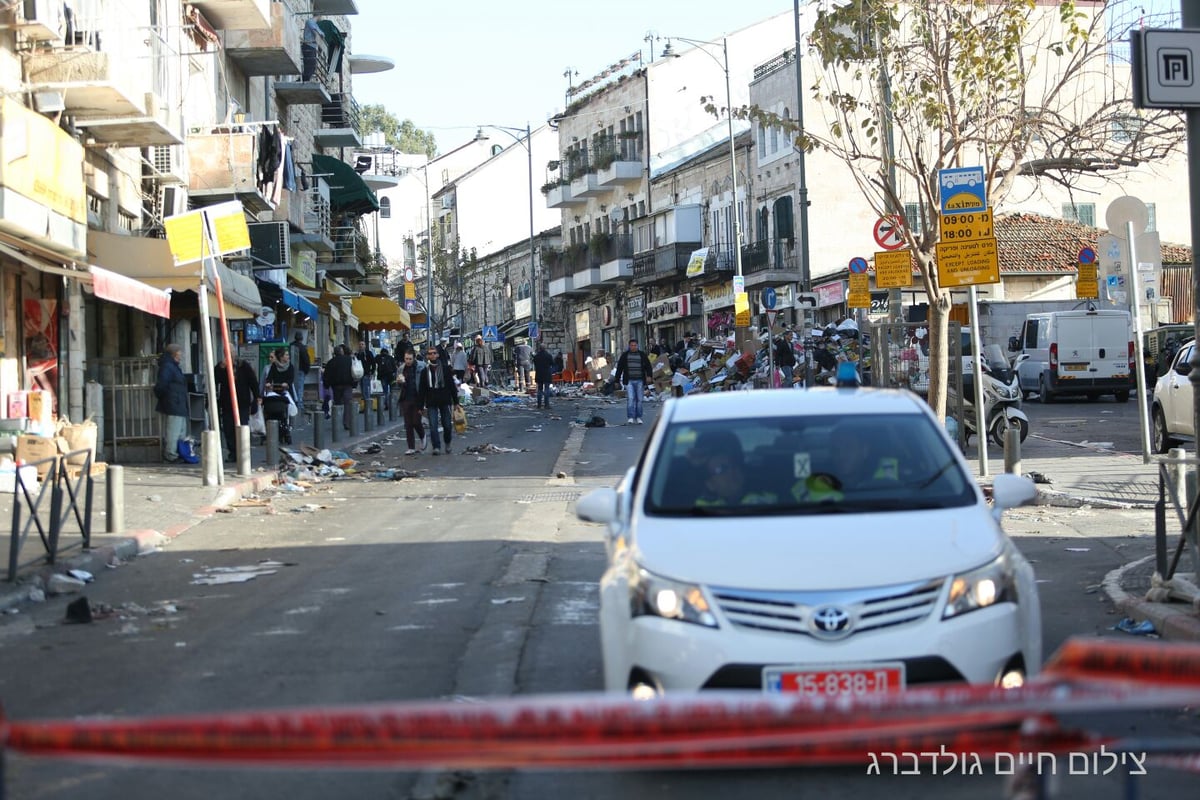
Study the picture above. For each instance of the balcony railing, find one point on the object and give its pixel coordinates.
(770, 255)
(341, 121)
(223, 165)
(668, 261)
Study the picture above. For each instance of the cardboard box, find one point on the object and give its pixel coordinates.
(37, 448)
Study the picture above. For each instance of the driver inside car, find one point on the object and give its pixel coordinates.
(725, 483)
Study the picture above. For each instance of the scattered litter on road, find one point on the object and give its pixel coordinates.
(1037, 477)
(36, 595)
(370, 449)
(1132, 626)
(309, 507)
(81, 574)
(534, 429)
(222, 575)
(480, 458)
(155, 498)
(503, 601)
(491, 448)
(63, 584)
(78, 612)
(1077, 549)
(395, 474)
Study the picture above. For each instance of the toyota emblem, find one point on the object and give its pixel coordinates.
(831, 622)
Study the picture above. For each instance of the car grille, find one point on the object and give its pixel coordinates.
(790, 612)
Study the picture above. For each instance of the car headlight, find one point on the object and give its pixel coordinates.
(982, 587)
(654, 596)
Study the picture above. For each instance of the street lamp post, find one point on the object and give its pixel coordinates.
(724, 64)
(527, 143)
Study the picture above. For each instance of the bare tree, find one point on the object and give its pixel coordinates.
(1033, 92)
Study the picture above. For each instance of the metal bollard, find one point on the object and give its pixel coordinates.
(272, 446)
(115, 494)
(335, 429)
(318, 430)
(210, 458)
(353, 424)
(1012, 450)
(244, 454)
(383, 400)
(366, 413)
(392, 407)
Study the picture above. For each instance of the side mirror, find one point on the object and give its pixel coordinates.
(1010, 491)
(1184, 367)
(1014, 344)
(598, 505)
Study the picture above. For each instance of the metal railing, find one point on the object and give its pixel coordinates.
(1172, 478)
(899, 361)
(129, 416)
(350, 245)
(341, 111)
(70, 496)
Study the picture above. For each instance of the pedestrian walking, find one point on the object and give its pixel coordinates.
(438, 397)
(458, 362)
(340, 381)
(481, 361)
(385, 370)
(408, 388)
(367, 358)
(523, 363)
(543, 374)
(302, 362)
(633, 368)
(171, 390)
(247, 394)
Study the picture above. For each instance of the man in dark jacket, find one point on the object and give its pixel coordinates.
(367, 358)
(385, 370)
(340, 380)
(480, 358)
(248, 397)
(785, 357)
(543, 374)
(408, 388)
(171, 390)
(633, 370)
(438, 396)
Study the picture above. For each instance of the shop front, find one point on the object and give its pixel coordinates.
(583, 340)
(667, 319)
(718, 310)
(831, 301)
(635, 312)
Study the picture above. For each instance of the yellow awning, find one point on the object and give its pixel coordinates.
(380, 314)
(150, 261)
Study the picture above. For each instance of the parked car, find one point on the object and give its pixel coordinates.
(1171, 409)
(829, 542)
(1159, 346)
(1088, 352)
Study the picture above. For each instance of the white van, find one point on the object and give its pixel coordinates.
(1087, 352)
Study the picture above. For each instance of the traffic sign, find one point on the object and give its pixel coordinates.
(1164, 64)
(887, 233)
(966, 225)
(962, 189)
(490, 333)
(807, 300)
(859, 295)
(534, 333)
(858, 265)
(771, 314)
(893, 269)
(968, 263)
(1087, 256)
(409, 274)
(769, 298)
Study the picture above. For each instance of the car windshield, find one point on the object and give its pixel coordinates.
(819, 464)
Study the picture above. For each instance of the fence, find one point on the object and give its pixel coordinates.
(900, 360)
(1172, 480)
(66, 493)
(129, 416)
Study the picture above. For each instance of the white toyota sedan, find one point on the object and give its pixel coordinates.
(828, 542)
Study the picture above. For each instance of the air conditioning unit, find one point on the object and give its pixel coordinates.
(448, 201)
(270, 245)
(172, 200)
(43, 21)
(168, 163)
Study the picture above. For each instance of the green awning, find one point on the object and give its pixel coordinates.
(348, 192)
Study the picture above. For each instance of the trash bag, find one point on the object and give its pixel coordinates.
(187, 451)
(595, 422)
(460, 420)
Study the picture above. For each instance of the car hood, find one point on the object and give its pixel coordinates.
(827, 552)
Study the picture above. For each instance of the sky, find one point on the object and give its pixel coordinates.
(461, 63)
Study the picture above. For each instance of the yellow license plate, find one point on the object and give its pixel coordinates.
(1075, 367)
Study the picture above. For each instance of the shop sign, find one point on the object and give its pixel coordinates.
(583, 324)
(672, 308)
(635, 307)
(304, 268)
(719, 296)
(830, 294)
(606, 316)
(523, 309)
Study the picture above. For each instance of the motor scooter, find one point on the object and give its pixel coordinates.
(1001, 398)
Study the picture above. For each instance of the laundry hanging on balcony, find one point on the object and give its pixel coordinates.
(335, 43)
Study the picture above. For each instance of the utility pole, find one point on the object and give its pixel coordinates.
(1191, 19)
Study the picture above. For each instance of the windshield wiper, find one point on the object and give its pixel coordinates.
(929, 481)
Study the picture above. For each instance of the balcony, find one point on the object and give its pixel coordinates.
(561, 281)
(351, 253)
(269, 51)
(346, 7)
(232, 15)
(620, 173)
(340, 121)
(770, 261)
(224, 166)
(586, 185)
(668, 261)
(109, 92)
(311, 92)
(308, 213)
(559, 196)
(616, 258)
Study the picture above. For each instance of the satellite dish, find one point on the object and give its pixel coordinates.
(616, 215)
(265, 316)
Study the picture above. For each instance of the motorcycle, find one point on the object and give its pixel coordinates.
(1001, 398)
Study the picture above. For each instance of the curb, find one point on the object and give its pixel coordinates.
(129, 545)
(1172, 621)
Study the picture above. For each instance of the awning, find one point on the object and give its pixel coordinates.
(300, 303)
(348, 192)
(105, 284)
(380, 314)
(149, 260)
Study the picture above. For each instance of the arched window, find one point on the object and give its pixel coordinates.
(385, 207)
(524, 292)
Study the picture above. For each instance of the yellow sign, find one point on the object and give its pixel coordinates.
(967, 225)
(41, 162)
(410, 290)
(968, 263)
(1087, 284)
(225, 222)
(304, 268)
(741, 310)
(893, 269)
(696, 262)
(229, 229)
(860, 291)
(185, 236)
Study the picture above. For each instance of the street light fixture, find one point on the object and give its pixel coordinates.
(527, 143)
(724, 64)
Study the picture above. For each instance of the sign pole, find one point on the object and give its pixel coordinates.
(210, 447)
(980, 421)
(1139, 363)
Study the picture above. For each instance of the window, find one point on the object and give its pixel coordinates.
(912, 218)
(1083, 213)
(762, 142)
(385, 207)
(774, 139)
(1152, 217)
(1125, 128)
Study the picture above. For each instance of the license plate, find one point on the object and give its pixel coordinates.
(834, 681)
(1075, 367)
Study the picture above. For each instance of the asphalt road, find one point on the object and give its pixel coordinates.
(473, 580)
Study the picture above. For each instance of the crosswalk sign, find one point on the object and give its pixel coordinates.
(491, 333)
